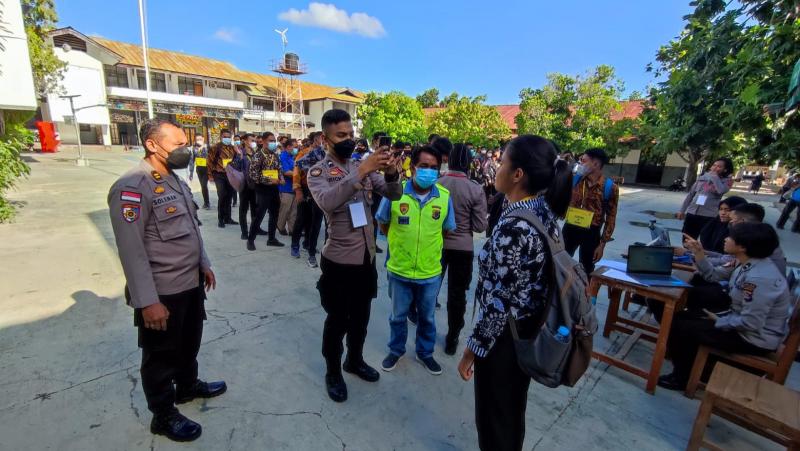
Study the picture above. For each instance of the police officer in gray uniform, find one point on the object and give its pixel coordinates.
(161, 250)
(345, 190)
(760, 301)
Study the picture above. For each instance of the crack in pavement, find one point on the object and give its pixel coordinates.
(134, 382)
(302, 412)
(275, 317)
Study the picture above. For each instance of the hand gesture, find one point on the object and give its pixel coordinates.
(374, 162)
(155, 316)
(465, 365)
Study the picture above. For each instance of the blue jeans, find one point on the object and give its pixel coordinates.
(403, 293)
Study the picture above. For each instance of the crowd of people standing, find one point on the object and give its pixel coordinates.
(429, 201)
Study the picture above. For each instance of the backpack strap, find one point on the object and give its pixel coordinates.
(575, 179)
(607, 189)
(554, 246)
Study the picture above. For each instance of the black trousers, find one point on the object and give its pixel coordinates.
(224, 197)
(458, 266)
(586, 239)
(202, 177)
(308, 222)
(170, 357)
(267, 199)
(501, 397)
(701, 295)
(346, 293)
(693, 224)
(247, 201)
(689, 332)
(787, 211)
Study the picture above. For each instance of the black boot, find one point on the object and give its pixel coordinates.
(361, 369)
(251, 245)
(175, 426)
(200, 389)
(337, 389)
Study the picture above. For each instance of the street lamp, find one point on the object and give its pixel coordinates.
(80, 161)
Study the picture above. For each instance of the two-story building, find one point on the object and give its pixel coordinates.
(203, 95)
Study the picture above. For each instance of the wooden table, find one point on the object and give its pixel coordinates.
(672, 298)
(757, 404)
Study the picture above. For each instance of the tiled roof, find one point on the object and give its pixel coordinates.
(174, 61)
(263, 84)
(631, 109)
(509, 114)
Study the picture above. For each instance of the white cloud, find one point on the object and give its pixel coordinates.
(229, 35)
(329, 17)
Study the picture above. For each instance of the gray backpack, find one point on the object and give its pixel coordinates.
(546, 358)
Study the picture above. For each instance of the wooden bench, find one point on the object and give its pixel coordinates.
(776, 365)
(759, 405)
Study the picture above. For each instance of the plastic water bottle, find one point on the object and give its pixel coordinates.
(562, 334)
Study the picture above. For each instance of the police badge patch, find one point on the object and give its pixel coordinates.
(437, 213)
(404, 208)
(130, 212)
(156, 176)
(315, 172)
(171, 210)
(159, 189)
(747, 291)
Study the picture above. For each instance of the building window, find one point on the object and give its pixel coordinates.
(158, 81)
(223, 85)
(306, 106)
(190, 86)
(263, 104)
(116, 76)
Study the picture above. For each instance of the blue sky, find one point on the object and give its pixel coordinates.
(472, 47)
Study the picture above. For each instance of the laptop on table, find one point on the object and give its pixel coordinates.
(652, 266)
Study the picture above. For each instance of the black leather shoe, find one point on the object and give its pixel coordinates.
(175, 427)
(244, 236)
(450, 347)
(274, 243)
(362, 370)
(251, 246)
(262, 232)
(671, 382)
(337, 389)
(231, 222)
(200, 389)
(221, 225)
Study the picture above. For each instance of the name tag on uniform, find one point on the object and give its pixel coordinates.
(701, 199)
(200, 162)
(270, 173)
(226, 162)
(579, 217)
(403, 220)
(358, 215)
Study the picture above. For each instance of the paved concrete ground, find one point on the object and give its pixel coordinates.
(69, 369)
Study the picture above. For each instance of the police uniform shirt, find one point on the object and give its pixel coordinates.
(760, 303)
(334, 187)
(157, 234)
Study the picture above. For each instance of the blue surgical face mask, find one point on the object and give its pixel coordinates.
(272, 146)
(426, 177)
(237, 143)
(227, 141)
(295, 150)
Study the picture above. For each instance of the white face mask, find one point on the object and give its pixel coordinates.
(253, 145)
(444, 168)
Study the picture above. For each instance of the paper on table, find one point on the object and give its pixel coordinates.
(620, 275)
(622, 266)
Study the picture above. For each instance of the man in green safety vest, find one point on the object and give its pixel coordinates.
(415, 226)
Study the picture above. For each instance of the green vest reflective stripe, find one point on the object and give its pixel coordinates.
(415, 236)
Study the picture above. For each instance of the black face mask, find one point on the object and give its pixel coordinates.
(344, 149)
(179, 158)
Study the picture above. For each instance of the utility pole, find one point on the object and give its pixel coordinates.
(80, 161)
(143, 25)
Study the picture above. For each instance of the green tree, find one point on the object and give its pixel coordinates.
(468, 119)
(15, 140)
(429, 98)
(574, 111)
(394, 113)
(40, 18)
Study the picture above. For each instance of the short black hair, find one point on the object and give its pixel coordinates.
(759, 240)
(733, 201)
(362, 142)
(248, 135)
(750, 212)
(334, 116)
(151, 128)
(598, 154)
(728, 166)
(398, 145)
(377, 135)
(266, 135)
(415, 155)
(313, 135)
(431, 137)
(443, 146)
(224, 130)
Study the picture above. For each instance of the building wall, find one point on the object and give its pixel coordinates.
(16, 77)
(83, 75)
(628, 167)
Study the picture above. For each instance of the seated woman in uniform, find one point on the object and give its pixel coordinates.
(712, 236)
(760, 302)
